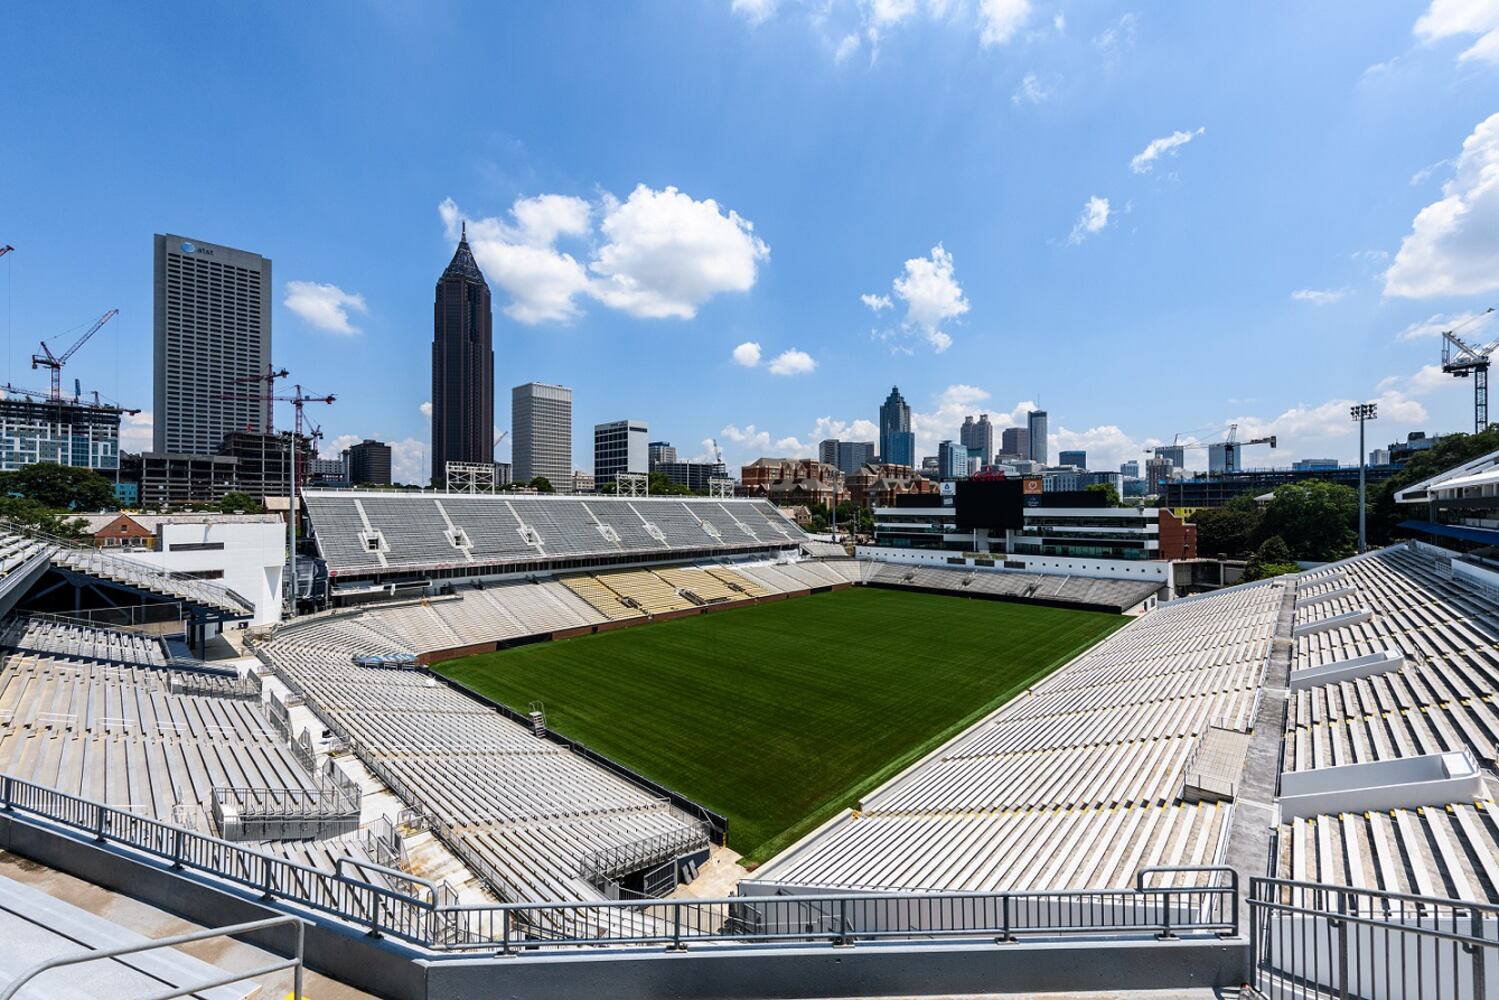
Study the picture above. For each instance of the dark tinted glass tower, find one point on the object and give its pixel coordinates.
(462, 366)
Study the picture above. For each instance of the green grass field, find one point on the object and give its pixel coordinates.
(781, 714)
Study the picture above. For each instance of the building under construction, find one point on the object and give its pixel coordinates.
(68, 432)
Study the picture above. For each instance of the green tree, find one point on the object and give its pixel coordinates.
(60, 487)
(1228, 531)
(1316, 519)
(541, 484)
(30, 514)
(238, 502)
(1272, 558)
(1107, 489)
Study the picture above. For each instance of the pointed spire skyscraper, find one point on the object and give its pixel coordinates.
(462, 365)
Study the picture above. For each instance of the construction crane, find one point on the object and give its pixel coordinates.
(6, 249)
(298, 399)
(1460, 359)
(108, 406)
(47, 359)
(272, 373)
(502, 436)
(1228, 444)
(717, 451)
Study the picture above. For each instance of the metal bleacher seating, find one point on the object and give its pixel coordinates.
(1074, 783)
(521, 811)
(372, 532)
(1119, 595)
(1441, 698)
(47, 634)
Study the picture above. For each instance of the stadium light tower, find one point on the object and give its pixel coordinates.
(1362, 412)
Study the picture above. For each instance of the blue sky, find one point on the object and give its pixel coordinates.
(1151, 218)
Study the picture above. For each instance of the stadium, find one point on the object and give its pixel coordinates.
(539, 745)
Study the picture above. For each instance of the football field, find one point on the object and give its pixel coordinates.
(781, 714)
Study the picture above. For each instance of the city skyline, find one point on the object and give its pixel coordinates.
(1099, 150)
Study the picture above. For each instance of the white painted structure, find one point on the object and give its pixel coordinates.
(244, 552)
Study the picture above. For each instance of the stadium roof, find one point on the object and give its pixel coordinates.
(1453, 477)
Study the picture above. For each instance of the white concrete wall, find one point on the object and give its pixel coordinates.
(252, 560)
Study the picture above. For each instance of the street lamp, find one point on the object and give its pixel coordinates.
(1362, 412)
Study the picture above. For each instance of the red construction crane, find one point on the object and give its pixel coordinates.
(55, 362)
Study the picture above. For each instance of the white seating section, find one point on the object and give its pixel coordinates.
(1120, 595)
(53, 635)
(1442, 699)
(527, 808)
(117, 735)
(362, 533)
(1073, 784)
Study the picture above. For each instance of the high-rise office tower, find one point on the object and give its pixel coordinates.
(619, 446)
(848, 456)
(897, 443)
(212, 332)
(660, 452)
(1035, 423)
(1130, 468)
(462, 365)
(1016, 441)
(1076, 457)
(952, 460)
(369, 462)
(541, 421)
(978, 434)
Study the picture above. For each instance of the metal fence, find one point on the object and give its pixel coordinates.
(386, 901)
(224, 979)
(1312, 940)
(604, 866)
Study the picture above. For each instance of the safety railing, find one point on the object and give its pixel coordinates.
(1192, 902)
(611, 863)
(1309, 940)
(293, 962)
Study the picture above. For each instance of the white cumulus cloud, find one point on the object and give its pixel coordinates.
(1094, 218)
(1030, 91)
(426, 409)
(754, 11)
(1453, 245)
(1467, 325)
(999, 20)
(667, 254)
(1170, 145)
(324, 306)
(929, 288)
(1450, 18)
(657, 254)
(1321, 296)
(792, 362)
(747, 354)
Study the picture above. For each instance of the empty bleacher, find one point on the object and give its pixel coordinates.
(1117, 595)
(1076, 782)
(1438, 696)
(370, 533)
(46, 634)
(522, 811)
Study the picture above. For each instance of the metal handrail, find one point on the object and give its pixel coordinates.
(294, 963)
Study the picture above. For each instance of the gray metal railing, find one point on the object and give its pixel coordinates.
(294, 962)
(403, 906)
(1309, 940)
(623, 859)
